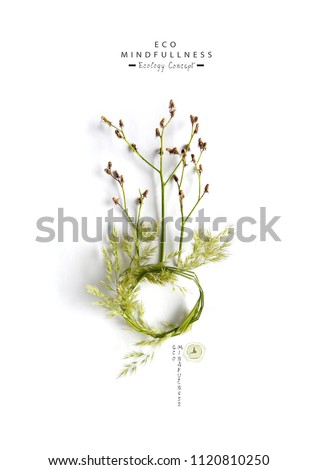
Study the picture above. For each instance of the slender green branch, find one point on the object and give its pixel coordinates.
(194, 207)
(182, 222)
(162, 184)
(182, 175)
(141, 201)
(191, 138)
(125, 211)
(181, 195)
(198, 172)
(200, 157)
(124, 196)
(173, 172)
(132, 146)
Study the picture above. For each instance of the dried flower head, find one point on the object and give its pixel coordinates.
(175, 178)
(108, 171)
(206, 188)
(181, 194)
(196, 130)
(202, 145)
(200, 170)
(106, 120)
(121, 124)
(173, 151)
(193, 159)
(172, 108)
(119, 134)
(109, 165)
(116, 200)
(162, 122)
(158, 132)
(134, 146)
(121, 179)
(115, 174)
(193, 119)
(145, 193)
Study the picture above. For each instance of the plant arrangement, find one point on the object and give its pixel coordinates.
(129, 260)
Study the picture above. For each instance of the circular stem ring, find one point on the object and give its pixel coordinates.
(192, 316)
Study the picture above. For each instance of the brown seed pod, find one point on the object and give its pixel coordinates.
(121, 124)
(145, 193)
(119, 135)
(175, 178)
(116, 200)
(206, 189)
(106, 120)
(157, 132)
(108, 171)
(162, 122)
(196, 130)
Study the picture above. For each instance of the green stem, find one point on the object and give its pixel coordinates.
(194, 207)
(133, 148)
(198, 172)
(183, 220)
(137, 223)
(162, 184)
(191, 138)
(199, 179)
(139, 208)
(124, 196)
(181, 233)
(182, 175)
(173, 172)
(130, 220)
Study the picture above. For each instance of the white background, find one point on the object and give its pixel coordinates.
(255, 391)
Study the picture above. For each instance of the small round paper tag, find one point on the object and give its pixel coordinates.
(194, 352)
